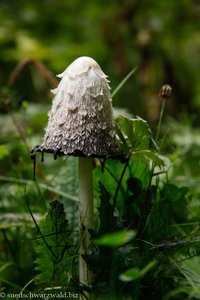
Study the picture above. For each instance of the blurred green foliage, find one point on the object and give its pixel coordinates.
(161, 38)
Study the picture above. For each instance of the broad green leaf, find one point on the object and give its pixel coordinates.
(54, 251)
(135, 131)
(116, 239)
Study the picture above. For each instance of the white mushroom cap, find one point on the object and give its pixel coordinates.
(81, 119)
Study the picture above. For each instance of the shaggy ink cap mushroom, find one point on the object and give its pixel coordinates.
(81, 124)
(81, 119)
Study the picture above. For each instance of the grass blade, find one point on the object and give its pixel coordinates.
(123, 82)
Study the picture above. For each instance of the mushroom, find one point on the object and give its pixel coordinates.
(81, 124)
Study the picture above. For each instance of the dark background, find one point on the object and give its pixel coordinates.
(161, 38)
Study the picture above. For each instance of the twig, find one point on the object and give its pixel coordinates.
(48, 74)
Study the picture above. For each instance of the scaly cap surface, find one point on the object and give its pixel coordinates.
(81, 119)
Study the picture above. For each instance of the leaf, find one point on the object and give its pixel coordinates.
(106, 211)
(5, 266)
(130, 275)
(190, 270)
(135, 131)
(134, 273)
(174, 193)
(55, 248)
(116, 239)
(123, 145)
(182, 289)
(67, 186)
(146, 156)
(3, 151)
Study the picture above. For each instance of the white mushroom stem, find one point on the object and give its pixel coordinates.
(86, 215)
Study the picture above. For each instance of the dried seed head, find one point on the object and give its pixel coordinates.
(81, 119)
(166, 91)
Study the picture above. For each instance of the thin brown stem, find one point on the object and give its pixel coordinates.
(48, 74)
